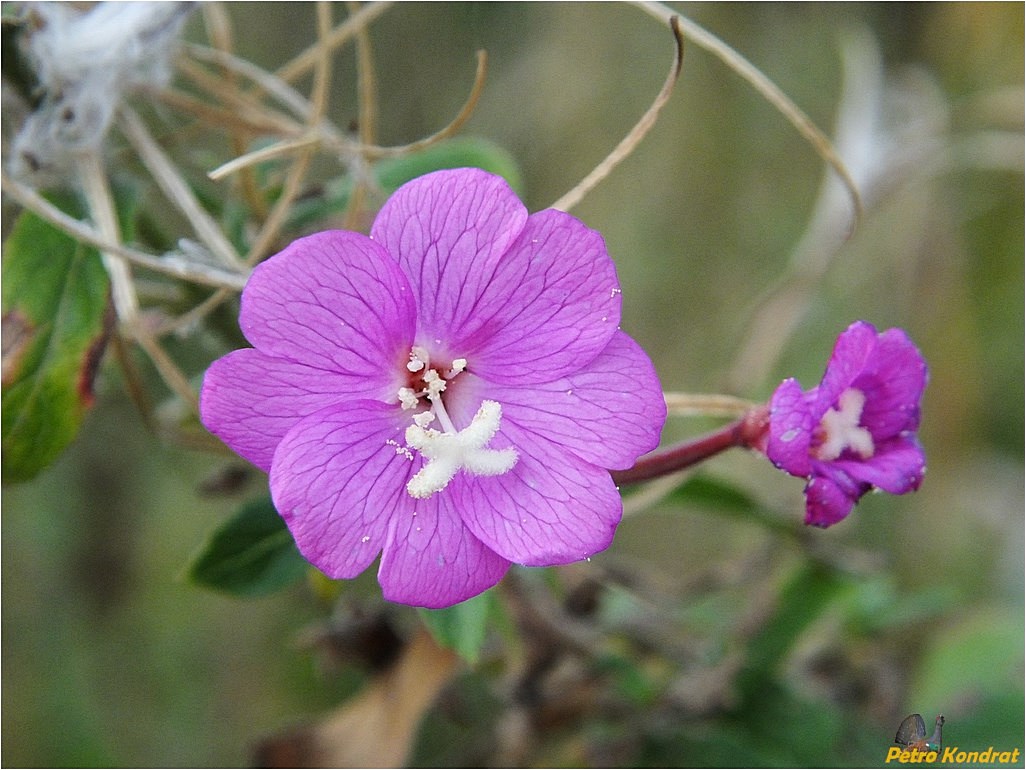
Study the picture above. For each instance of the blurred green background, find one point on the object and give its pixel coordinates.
(731, 281)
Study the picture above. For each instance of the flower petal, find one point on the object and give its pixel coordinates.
(333, 301)
(550, 508)
(825, 502)
(433, 560)
(338, 482)
(893, 380)
(522, 299)
(791, 426)
(449, 231)
(551, 307)
(852, 350)
(897, 467)
(250, 400)
(608, 413)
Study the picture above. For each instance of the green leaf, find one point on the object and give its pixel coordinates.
(462, 627)
(789, 730)
(465, 152)
(977, 653)
(392, 173)
(719, 497)
(56, 323)
(876, 606)
(805, 597)
(709, 492)
(251, 554)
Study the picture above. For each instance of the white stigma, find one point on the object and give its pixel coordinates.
(447, 452)
(840, 428)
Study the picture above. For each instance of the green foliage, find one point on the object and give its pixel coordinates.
(251, 554)
(702, 489)
(726, 499)
(462, 627)
(56, 324)
(803, 599)
(973, 659)
(461, 152)
(876, 605)
(461, 735)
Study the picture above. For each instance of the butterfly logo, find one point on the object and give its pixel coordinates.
(912, 733)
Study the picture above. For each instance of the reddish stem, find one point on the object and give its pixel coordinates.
(749, 431)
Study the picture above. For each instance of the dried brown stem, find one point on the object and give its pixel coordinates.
(235, 98)
(768, 90)
(368, 112)
(284, 147)
(293, 182)
(634, 137)
(101, 208)
(219, 30)
(336, 37)
(375, 152)
(176, 190)
(332, 139)
(365, 82)
(266, 82)
(230, 120)
(80, 231)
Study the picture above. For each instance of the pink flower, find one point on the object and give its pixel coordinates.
(856, 430)
(450, 392)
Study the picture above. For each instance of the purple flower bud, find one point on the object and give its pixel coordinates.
(857, 429)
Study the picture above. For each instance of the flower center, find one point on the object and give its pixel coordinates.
(840, 430)
(448, 450)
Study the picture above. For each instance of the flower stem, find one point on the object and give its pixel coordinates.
(748, 431)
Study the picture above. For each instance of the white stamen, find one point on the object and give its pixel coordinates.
(448, 452)
(408, 398)
(435, 384)
(419, 358)
(841, 430)
(458, 365)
